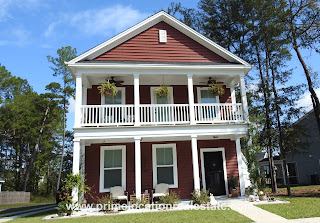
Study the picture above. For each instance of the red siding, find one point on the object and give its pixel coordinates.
(184, 162)
(146, 47)
(180, 95)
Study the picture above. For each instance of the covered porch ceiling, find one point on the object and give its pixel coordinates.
(165, 79)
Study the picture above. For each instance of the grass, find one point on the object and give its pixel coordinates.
(299, 207)
(299, 191)
(219, 216)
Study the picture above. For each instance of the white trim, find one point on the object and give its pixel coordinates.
(147, 23)
(220, 149)
(123, 96)
(175, 166)
(123, 168)
(154, 97)
(199, 94)
(240, 167)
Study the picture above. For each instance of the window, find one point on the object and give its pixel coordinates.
(119, 98)
(112, 167)
(205, 96)
(165, 164)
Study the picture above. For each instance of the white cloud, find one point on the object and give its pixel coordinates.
(305, 100)
(104, 21)
(7, 6)
(71, 105)
(18, 36)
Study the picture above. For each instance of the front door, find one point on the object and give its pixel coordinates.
(214, 173)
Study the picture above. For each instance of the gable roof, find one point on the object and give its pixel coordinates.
(149, 22)
(2, 180)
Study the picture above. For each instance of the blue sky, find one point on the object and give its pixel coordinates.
(32, 29)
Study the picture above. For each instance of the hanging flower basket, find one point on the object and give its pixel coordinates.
(108, 89)
(162, 91)
(217, 89)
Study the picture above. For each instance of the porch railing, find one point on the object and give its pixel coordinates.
(104, 115)
(218, 112)
(164, 114)
(153, 114)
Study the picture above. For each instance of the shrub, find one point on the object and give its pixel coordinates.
(140, 202)
(171, 198)
(200, 197)
(106, 202)
(233, 182)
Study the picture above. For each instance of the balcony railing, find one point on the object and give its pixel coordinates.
(164, 114)
(104, 115)
(218, 112)
(154, 114)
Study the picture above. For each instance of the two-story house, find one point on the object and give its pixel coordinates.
(188, 139)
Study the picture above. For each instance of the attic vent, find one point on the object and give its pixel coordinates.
(162, 36)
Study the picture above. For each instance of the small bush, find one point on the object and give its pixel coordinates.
(140, 202)
(200, 197)
(106, 202)
(171, 198)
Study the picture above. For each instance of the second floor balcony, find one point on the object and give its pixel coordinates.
(136, 103)
(159, 114)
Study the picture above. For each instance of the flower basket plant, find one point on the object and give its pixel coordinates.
(216, 89)
(108, 89)
(162, 91)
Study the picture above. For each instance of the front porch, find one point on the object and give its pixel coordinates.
(139, 164)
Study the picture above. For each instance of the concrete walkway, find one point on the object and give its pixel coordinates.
(257, 214)
(249, 210)
(24, 213)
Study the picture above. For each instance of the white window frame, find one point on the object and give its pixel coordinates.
(199, 94)
(220, 149)
(154, 162)
(153, 95)
(123, 96)
(123, 168)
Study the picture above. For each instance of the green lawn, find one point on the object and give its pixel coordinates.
(166, 216)
(299, 207)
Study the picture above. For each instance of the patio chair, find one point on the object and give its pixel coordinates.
(117, 193)
(161, 190)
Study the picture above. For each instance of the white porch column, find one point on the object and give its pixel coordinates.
(195, 162)
(191, 99)
(244, 98)
(137, 155)
(76, 165)
(78, 101)
(136, 99)
(240, 165)
(233, 95)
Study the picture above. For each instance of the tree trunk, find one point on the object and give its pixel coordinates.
(64, 134)
(35, 150)
(282, 152)
(266, 94)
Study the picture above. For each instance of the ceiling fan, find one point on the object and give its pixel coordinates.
(116, 83)
(210, 82)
